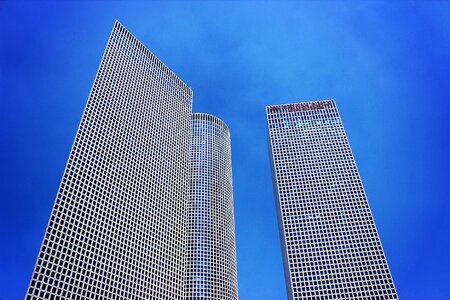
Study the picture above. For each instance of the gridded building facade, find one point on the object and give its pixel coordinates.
(330, 245)
(211, 248)
(109, 235)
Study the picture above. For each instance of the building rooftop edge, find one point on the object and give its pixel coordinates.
(166, 69)
(311, 101)
(203, 116)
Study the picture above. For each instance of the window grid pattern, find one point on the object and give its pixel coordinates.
(331, 248)
(108, 236)
(211, 248)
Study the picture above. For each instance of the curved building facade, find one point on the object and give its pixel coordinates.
(210, 241)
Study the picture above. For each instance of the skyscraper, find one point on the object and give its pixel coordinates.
(211, 250)
(117, 228)
(330, 245)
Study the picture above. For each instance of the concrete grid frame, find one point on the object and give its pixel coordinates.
(330, 245)
(117, 228)
(211, 247)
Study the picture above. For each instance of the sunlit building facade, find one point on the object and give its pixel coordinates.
(330, 245)
(211, 247)
(117, 228)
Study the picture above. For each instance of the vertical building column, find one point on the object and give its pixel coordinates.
(210, 241)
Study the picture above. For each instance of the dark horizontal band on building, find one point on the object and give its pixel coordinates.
(301, 106)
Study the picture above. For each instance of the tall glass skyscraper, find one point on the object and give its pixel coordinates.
(211, 250)
(330, 245)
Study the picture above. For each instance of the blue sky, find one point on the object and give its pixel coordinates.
(386, 64)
